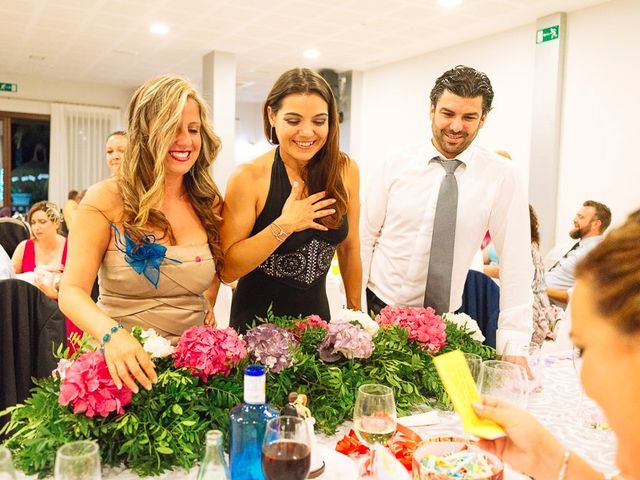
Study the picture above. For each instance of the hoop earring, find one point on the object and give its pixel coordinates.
(273, 138)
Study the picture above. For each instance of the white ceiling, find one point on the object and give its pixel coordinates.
(108, 41)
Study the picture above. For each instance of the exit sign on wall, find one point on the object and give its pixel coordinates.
(548, 34)
(8, 87)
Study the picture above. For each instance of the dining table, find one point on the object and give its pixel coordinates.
(559, 404)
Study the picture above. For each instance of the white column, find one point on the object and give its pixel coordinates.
(546, 125)
(219, 91)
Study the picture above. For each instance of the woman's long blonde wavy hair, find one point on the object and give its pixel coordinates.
(155, 112)
(326, 169)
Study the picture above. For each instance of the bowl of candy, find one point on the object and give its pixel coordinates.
(449, 458)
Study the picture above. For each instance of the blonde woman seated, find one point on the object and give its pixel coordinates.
(606, 330)
(151, 232)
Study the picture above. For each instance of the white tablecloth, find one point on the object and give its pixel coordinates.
(560, 406)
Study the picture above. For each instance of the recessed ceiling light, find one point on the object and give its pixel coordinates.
(311, 53)
(159, 29)
(449, 3)
(38, 58)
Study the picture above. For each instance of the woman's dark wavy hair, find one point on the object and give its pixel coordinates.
(155, 113)
(325, 170)
(612, 270)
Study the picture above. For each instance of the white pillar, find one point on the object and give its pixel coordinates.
(219, 91)
(545, 132)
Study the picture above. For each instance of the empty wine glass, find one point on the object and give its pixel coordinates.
(531, 351)
(504, 380)
(474, 362)
(78, 460)
(286, 449)
(6, 465)
(374, 417)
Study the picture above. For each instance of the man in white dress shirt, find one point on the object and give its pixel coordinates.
(399, 213)
(588, 226)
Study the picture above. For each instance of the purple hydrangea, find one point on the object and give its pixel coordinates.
(271, 346)
(345, 339)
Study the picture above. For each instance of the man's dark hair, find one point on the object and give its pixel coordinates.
(465, 82)
(602, 213)
(72, 195)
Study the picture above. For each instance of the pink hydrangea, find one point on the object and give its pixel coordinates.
(88, 387)
(423, 324)
(312, 321)
(209, 351)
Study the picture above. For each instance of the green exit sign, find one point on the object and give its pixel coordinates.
(548, 34)
(8, 87)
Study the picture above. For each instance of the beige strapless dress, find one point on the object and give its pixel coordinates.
(175, 305)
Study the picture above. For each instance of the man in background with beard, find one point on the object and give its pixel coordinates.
(402, 240)
(588, 226)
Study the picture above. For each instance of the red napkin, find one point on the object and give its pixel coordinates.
(402, 445)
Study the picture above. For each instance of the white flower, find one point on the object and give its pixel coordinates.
(466, 322)
(365, 321)
(155, 345)
(61, 369)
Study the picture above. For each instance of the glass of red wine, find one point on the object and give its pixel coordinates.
(286, 449)
(374, 417)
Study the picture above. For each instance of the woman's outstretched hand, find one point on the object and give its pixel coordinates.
(300, 213)
(127, 360)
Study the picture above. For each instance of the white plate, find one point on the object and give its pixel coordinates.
(337, 465)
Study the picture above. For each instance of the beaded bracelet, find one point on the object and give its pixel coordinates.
(107, 336)
(280, 234)
(562, 475)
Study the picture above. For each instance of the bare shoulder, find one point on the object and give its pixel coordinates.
(246, 175)
(104, 196)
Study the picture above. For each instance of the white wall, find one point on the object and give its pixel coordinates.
(599, 126)
(36, 94)
(250, 140)
(599, 154)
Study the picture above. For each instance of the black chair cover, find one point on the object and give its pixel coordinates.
(31, 329)
(12, 232)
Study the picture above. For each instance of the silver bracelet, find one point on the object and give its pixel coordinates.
(280, 234)
(562, 474)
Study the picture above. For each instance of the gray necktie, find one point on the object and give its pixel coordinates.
(437, 291)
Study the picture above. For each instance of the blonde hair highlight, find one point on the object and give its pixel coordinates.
(155, 113)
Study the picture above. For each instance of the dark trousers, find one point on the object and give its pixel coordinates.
(374, 304)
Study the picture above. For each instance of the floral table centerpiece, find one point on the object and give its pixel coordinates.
(201, 379)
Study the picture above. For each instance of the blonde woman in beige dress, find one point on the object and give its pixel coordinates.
(151, 233)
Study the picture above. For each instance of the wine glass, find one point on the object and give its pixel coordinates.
(6, 465)
(374, 417)
(79, 460)
(286, 449)
(474, 362)
(504, 380)
(532, 352)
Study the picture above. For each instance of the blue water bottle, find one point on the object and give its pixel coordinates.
(248, 424)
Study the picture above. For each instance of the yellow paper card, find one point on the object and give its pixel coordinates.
(457, 380)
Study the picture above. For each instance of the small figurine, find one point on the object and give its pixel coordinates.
(297, 407)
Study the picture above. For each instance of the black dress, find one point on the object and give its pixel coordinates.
(292, 278)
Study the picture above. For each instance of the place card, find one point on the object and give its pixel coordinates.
(457, 380)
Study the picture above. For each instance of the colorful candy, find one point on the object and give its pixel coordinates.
(465, 464)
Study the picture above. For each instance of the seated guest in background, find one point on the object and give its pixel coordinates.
(45, 255)
(69, 209)
(151, 232)
(287, 211)
(46, 249)
(605, 308)
(589, 224)
(6, 267)
(417, 249)
(115, 149)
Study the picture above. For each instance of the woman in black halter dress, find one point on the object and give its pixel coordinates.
(287, 212)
